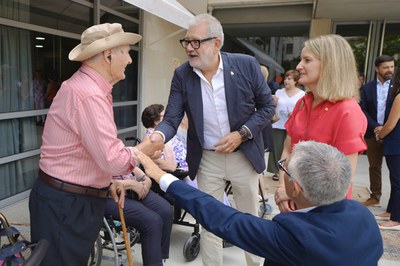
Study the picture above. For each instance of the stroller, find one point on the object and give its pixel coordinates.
(16, 251)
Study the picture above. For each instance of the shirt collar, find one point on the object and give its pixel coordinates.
(386, 83)
(306, 209)
(99, 79)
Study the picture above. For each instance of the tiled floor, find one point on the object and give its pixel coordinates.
(18, 213)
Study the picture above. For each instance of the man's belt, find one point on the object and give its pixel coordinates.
(73, 188)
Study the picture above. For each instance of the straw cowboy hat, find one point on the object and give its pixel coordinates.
(99, 38)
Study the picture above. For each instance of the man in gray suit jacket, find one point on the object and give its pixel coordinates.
(228, 104)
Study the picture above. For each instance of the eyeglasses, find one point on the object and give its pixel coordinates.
(195, 43)
(281, 165)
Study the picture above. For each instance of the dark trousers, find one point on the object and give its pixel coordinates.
(279, 136)
(375, 157)
(152, 217)
(70, 222)
(393, 163)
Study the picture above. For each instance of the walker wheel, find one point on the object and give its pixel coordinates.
(191, 248)
(265, 208)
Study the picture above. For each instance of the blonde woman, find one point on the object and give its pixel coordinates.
(329, 112)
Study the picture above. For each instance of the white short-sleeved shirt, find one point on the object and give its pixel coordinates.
(285, 106)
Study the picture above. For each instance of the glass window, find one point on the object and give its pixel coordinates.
(125, 116)
(127, 89)
(63, 15)
(33, 65)
(20, 135)
(357, 36)
(391, 41)
(18, 176)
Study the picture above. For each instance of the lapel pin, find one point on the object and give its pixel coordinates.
(232, 74)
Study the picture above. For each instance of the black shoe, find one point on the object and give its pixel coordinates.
(275, 177)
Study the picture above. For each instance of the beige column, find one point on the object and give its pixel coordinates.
(320, 27)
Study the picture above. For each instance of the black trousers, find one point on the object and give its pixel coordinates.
(70, 222)
(393, 163)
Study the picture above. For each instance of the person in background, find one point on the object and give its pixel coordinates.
(147, 212)
(286, 99)
(152, 115)
(227, 102)
(389, 133)
(80, 151)
(329, 112)
(374, 102)
(326, 230)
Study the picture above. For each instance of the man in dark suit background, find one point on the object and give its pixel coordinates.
(228, 104)
(325, 230)
(374, 95)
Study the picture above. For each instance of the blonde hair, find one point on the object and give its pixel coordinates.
(264, 71)
(339, 77)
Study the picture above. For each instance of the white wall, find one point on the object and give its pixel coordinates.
(161, 53)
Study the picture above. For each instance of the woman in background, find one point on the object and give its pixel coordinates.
(285, 99)
(390, 134)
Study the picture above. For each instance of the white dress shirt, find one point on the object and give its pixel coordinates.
(215, 113)
(382, 93)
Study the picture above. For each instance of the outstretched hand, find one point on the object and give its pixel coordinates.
(151, 169)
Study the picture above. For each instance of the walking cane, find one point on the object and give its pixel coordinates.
(127, 244)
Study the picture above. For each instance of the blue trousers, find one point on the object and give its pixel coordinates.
(152, 217)
(393, 163)
(70, 222)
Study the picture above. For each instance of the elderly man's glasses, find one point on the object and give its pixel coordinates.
(281, 165)
(195, 43)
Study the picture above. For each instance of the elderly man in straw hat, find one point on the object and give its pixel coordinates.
(80, 150)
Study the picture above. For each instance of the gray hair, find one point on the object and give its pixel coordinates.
(214, 26)
(323, 172)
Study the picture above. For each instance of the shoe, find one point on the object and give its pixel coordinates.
(371, 202)
(275, 177)
(393, 228)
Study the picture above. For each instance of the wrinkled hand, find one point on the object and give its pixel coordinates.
(151, 169)
(283, 201)
(117, 191)
(146, 186)
(229, 143)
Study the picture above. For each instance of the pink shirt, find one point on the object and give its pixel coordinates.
(80, 143)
